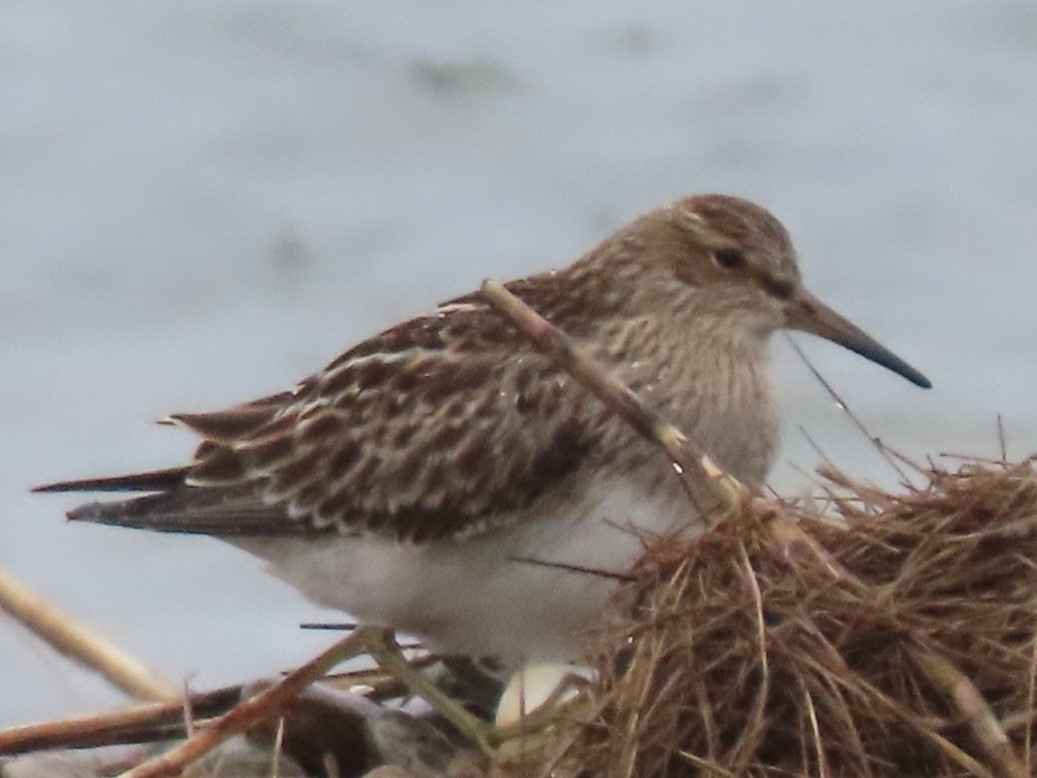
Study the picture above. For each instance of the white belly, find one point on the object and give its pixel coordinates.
(477, 596)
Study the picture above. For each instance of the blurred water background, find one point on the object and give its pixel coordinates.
(202, 202)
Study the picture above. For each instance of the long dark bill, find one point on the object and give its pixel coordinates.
(807, 313)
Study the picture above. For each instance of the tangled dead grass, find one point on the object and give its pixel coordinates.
(887, 635)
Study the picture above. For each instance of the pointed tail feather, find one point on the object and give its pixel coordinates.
(174, 506)
(151, 481)
(190, 510)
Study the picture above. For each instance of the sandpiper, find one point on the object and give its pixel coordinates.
(419, 480)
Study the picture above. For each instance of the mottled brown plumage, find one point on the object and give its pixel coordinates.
(450, 431)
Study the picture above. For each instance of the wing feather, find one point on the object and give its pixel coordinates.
(442, 426)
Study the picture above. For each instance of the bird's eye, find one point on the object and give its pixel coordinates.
(728, 259)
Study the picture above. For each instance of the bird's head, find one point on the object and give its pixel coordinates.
(726, 264)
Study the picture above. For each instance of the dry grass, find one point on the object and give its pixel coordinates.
(903, 643)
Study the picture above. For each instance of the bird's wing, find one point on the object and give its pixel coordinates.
(443, 425)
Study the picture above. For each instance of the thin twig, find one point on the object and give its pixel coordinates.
(249, 712)
(1031, 698)
(137, 724)
(817, 449)
(973, 709)
(749, 741)
(815, 729)
(79, 644)
(387, 654)
(845, 408)
(571, 568)
(275, 767)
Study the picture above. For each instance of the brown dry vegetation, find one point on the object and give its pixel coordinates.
(896, 636)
